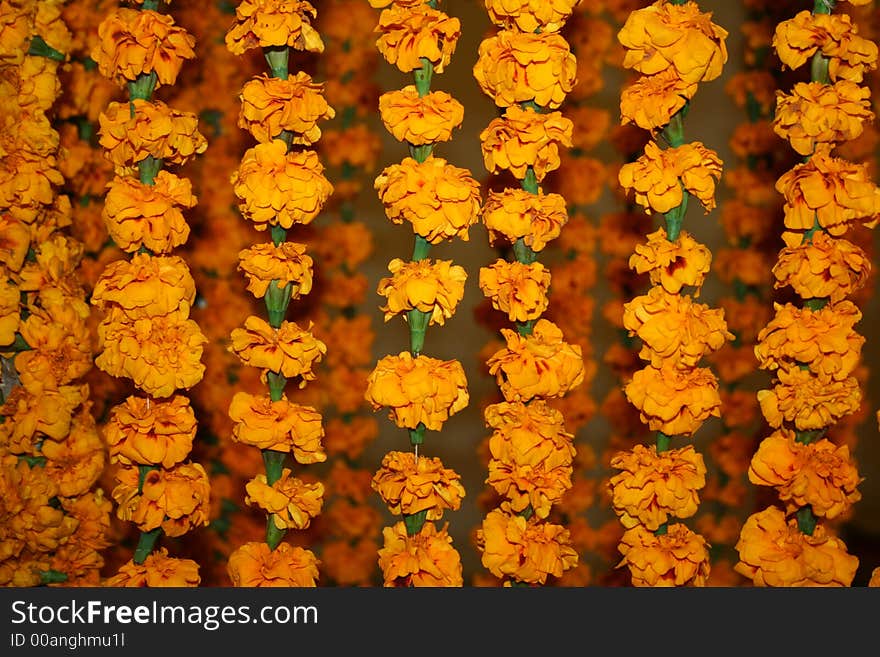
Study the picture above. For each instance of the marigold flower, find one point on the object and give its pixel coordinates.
(14, 242)
(417, 390)
(530, 15)
(410, 485)
(677, 558)
(288, 350)
(517, 289)
(255, 564)
(523, 139)
(808, 401)
(411, 34)
(267, 23)
(60, 346)
(291, 502)
(822, 267)
(539, 365)
(420, 120)
(143, 431)
(270, 106)
(132, 43)
(76, 462)
(817, 113)
(146, 286)
(157, 570)
(48, 413)
(426, 559)
(441, 201)
(513, 214)
(10, 312)
(280, 426)
(650, 101)
(775, 552)
(277, 188)
(280, 265)
(672, 264)
(429, 286)
(673, 401)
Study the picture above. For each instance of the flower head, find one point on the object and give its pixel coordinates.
(296, 104)
(141, 431)
(288, 350)
(822, 267)
(280, 426)
(255, 564)
(410, 34)
(523, 138)
(291, 502)
(672, 264)
(426, 559)
(677, 558)
(513, 214)
(282, 265)
(420, 120)
(517, 289)
(673, 401)
(409, 484)
(279, 23)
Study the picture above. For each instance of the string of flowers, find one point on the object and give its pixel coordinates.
(53, 522)
(146, 334)
(280, 184)
(528, 69)
(441, 202)
(673, 393)
(813, 348)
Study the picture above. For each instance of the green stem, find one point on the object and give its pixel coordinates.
(278, 235)
(52, 577)
(143, 87)
(662, 442)
(148, 169)
(530, 181)
(806, 520)
(819, 69)
(421, 248)
(277, 300)
(418, 327)
(278, 59)
(39, 48)
(675, 217)
(422, 152)
(145, 545)
(423, 77)
(274, 464)
(673, 133)
(415, 522)
(525, 329)
(150, 5)
(523, 252)
(807, 437)
(276, 385)
(823, 6)
(662, 530)
(417, 435)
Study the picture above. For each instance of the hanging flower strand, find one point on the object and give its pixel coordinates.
(280, 185)
(441, 202)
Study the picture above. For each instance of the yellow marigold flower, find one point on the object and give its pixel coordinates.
(132, 43)
(823, 267)
(271, 105)
(175, 499)
(523, 138)
(775, 552)
(288, 350)
(673, 329)
(672, 264)
(515, 67)
(823, 340)
(441, 201)
(60, 346)
(817, 113)
(143, 431)
(420, 120)
(677, 558)
(530, 15)
(673, 401)
(160, 354)
(411, 34)
(277, 188)
(820, 474)
(76, 462)
(653, 487)
(158, 570)
(267, 23)
(14, 242)
(531, 455)
(10, 311)
(539, 365)
(430, 286)
(255, 564)
(410, 485)
(280, 426)
(834, 36)
(758, 85)
(280, 265)
(27, 184)
(660, 177)
(417, 390)
(664, 35)
(650, 101)
(291, 502)
(527, 551)
(808, 401)
(48, 413)
(512, 214)
(426, 559)
(139, 215)
(516, 289)
(146, 286)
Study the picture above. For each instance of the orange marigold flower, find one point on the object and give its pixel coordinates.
(808, 401)
(673, 401)
(144, 431)
(157, 570)
(255, 564)
(426, 559)
(288, 350)
(410, 34)
(279, 23)
(538, 365)
(677, 558)
(420, 120)
(271, 105)
(817, 113)
(14, 242)
(282, 265)
(820, 474)
(653, 487)
(48, 414)
(650, 101)
(280, 426)
(60, 346)
(132, 43)
(673, 329)
(526, 551)
(291, 502)
(440, 200)
(517, 289)
(515, 67)
(76, 462)
(660, 177)
(775, 552)
(822, 267)
(277, 188)
(10, 311)
(409, 484)
(430, 286)
(530, 15)
(672, 264)
(524, 138)
(139, 215)
(146, 286)
(513, 214)
(417, 390)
